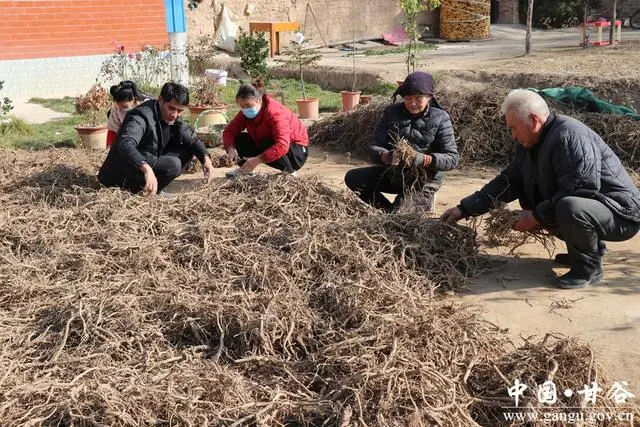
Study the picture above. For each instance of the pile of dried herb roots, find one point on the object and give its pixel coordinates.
(264, 301)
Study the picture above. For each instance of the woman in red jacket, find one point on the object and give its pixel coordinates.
(274, 134)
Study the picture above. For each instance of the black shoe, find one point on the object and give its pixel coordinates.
(578, 278)
(563, 259)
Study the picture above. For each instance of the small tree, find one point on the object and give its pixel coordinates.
(353, 46)
(411, 9)
(253, 51)
(300, 56)
(527, 43)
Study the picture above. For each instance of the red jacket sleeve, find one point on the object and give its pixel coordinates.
(281, 137)
(233, 129)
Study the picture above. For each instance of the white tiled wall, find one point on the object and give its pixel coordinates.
(49, 77)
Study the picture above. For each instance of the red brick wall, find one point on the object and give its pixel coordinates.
(54, 28)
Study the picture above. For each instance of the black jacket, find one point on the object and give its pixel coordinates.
(570, 160)
(430, 133)
(140, 139)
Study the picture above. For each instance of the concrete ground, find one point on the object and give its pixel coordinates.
(35, 113)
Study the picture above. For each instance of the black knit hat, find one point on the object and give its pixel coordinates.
(417, 83)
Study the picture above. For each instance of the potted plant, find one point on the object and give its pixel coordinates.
(299, 57)
(93, 107)
(206, 103)
(352, 98)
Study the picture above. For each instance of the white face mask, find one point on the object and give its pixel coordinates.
(252, 112)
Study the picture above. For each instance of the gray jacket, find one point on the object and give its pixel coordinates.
(430, 133)
(570, 160)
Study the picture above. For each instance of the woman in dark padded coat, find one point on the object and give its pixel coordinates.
(427, 127)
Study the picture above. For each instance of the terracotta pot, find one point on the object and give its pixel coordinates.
(365, 99)
(93, 137)
(349, 100)
(308, 108)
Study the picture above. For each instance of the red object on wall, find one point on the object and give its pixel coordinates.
(54, 28)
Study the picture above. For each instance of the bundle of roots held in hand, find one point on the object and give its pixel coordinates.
(263, 300)
(497, 229)
(405, 152)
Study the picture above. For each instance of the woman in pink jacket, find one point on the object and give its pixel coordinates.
(274, 134)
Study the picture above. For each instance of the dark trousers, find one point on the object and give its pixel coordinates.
(581, 223)
(371, 181)
(167, 167)
(292, 161)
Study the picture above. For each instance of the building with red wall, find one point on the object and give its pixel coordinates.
(55, 47)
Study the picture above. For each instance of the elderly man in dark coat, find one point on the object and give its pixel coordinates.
(427, 128)
(567, 180)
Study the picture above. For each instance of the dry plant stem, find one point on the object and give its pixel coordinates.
(497, 231)
(121, 310)
(481, 134)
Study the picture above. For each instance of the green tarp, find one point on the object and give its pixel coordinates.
(581, 98)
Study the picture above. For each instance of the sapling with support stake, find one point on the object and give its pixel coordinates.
(411, 9)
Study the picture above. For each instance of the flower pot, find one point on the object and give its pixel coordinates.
(365, 99)
(209, 126)
(308, 108)
(93, 137)
(209, 116)
(350, 100)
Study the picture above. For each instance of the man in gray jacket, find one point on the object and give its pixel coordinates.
(153, 145)
(567, 180)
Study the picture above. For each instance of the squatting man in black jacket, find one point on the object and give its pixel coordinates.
(153, 145)
(427, 128)
(567, 180)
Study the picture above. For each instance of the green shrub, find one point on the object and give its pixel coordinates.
(6, 104)
(253, 51)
